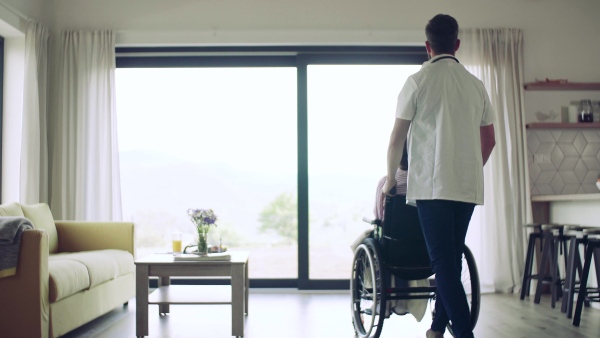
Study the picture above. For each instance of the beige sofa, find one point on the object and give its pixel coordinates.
(68, 273)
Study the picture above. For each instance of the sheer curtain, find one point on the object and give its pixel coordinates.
(496, 57)
(85, 166)
(33, 183)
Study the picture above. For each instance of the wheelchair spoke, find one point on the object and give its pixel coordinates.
(366, 289)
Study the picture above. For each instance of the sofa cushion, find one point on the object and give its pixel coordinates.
(67, 277)
(102, 265)
(41, 218)
(11, 209)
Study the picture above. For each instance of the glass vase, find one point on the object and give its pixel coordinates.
(203, 242)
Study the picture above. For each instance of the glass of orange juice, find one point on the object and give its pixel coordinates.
(176, 240)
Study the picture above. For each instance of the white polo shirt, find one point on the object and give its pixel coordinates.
(447, 105)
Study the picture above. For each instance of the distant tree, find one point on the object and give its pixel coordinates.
(281, 216)
(226, 232)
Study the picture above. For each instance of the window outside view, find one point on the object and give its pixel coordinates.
(351, 111)
(218, 138)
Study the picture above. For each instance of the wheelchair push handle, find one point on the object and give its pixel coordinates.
(371, 221)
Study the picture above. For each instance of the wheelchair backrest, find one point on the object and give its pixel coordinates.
(403, 243)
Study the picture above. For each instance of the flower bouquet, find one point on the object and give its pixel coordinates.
(203, 219)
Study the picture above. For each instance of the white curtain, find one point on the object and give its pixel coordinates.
(33, 175)
(496, 57)
(85, 167)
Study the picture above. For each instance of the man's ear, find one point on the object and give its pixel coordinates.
(457, 45)
(428, 47)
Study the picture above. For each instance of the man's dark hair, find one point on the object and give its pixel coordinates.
(442, 33)
(404, 159)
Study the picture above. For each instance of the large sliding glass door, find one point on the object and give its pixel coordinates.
(350, 117)
(285, 144)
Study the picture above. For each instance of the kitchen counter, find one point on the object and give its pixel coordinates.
(571, 209)
(565, 198)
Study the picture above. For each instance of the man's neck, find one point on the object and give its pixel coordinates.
(433, 55)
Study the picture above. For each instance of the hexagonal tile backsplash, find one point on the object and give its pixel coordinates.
(563, 161)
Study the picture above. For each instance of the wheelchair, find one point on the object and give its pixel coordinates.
(397, 247)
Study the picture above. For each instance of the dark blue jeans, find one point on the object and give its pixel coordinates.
(445, 225)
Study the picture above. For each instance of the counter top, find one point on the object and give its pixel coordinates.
(565, 198)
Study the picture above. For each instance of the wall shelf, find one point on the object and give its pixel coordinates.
(550, 125)
(562, 86)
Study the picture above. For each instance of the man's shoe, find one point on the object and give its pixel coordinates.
(433, 334)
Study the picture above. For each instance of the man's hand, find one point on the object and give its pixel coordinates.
(394, 153)
(488, 141)
(389, 185)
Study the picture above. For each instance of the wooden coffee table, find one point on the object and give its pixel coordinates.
(163, 266)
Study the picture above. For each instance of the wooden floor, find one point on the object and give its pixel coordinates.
(295, 314)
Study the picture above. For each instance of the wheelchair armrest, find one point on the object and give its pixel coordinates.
(372, 221)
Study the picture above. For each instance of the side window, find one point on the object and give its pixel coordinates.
(1, 104)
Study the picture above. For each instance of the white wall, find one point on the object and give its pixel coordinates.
(560, 36)
(34, 9)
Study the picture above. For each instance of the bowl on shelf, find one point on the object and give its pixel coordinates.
(598, 185)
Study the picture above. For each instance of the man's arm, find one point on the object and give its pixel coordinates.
(397, 139)
(488, 141)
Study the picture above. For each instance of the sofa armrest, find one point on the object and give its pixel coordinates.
(75, 236)
(24, 296)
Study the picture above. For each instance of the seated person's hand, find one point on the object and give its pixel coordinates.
(388, 186)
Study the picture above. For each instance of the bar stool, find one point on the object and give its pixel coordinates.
(592, 294)
(554, 241)
(535, 235)
(574, 268)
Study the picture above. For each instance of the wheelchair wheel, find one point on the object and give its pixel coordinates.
(470, 282)
(367, 286)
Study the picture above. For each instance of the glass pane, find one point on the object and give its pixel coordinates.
(219, 138)
(351, 111)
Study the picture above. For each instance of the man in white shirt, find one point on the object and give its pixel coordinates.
(450, 118)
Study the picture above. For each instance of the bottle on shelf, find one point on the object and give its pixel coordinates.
(585, 111)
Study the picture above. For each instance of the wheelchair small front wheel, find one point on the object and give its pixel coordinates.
(367, 287)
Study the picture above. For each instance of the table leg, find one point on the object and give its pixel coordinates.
(141, 300)
(238, 288)
(247, 289)
(163, 309)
